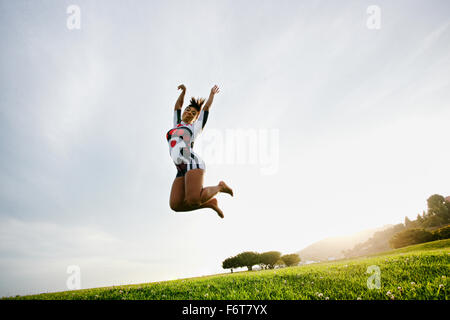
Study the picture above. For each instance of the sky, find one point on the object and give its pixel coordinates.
(324, 125)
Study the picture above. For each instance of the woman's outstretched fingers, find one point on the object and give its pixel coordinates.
(225, 188)
(215, 89)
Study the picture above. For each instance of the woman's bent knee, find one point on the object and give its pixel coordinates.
(193, 201)
(175, 206)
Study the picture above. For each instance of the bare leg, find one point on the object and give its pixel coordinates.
(178, 203)
(177, 194)
(209, 192)
(225, 188)
(188, 194)
(212, 204)
(195, 194)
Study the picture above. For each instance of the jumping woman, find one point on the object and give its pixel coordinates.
(187, 192)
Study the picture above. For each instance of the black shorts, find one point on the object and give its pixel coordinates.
(195, 163)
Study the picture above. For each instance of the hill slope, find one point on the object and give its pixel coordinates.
(332, 247)
(415, 272)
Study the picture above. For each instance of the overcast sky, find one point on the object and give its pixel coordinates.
(354, 122)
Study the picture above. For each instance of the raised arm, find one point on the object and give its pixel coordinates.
(179, 103)
(208, 103)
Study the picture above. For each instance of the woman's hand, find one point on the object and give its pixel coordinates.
(208, 104)
(179, 103)
(215, 90)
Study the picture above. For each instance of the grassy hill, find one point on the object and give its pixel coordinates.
(333, 247)
(415, 272)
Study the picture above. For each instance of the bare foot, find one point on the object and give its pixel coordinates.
(214, 205)
(225, 188)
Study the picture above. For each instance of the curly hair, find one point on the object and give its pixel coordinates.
(196, 103)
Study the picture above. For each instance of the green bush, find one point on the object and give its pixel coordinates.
(410, 237)
(442, 233)
(247, 259)
(231, 263)
(267, 260)
(291, 259)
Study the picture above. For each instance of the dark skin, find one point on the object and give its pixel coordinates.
(191, 114)
(188, 193)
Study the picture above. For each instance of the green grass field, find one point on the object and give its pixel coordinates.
(415, 272)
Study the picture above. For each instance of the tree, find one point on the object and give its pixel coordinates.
(230, 263)
(442, 233)
(447, 203)
(226, 264)
(407, 222)
(280, 263)
(247, 259)
(419, 220)
(435, 202)
(410, 237)
(290, 259)
(438, 211)
(269, 259)
(437, 215)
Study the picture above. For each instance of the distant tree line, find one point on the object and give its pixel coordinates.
(437, 215)
(266, 260)
(414, 236)
(428, 226)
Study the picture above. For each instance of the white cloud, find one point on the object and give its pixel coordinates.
(38, 239)
(34, 257)
(85, 170)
